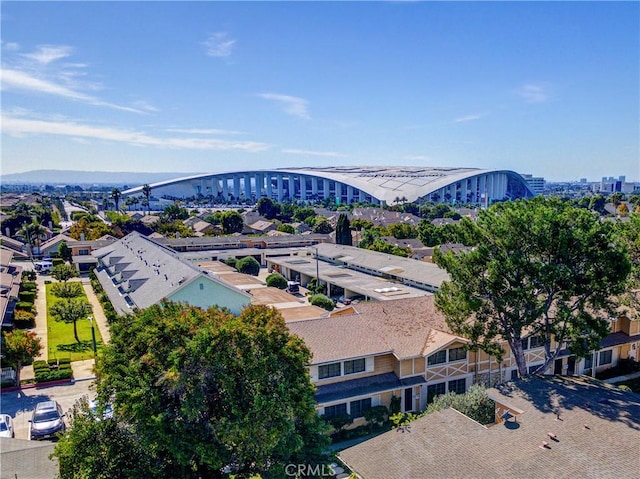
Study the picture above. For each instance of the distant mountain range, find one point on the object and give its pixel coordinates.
(72, 177)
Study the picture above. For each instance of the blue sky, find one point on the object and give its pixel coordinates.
(548, 88)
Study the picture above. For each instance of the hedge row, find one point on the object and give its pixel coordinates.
(43, 376)
(107, 307)
(29, 286)
(27, 296)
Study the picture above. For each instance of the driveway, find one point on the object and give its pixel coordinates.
(20, 404)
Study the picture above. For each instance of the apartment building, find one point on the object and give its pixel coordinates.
(366, 354)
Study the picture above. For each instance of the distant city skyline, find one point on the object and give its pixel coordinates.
(546, 88)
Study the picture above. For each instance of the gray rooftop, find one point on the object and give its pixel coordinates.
(598, 436)
(146, 272)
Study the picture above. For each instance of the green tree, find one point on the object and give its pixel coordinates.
(20, 347)
(539, 267)
(597, 203)
(629, 234)
(70, 311)
(175, 212)
(360, 224)
(267, 208)
(475, 403)
(276, 280)
(402, 230)
(343, 230)
(322, 301)
(286, 228)
(64, 251)
(301, 214)
(116, 195)
(67, 290)
(248, 265)
(322, 226)
(206, 390)
(64, 272)
(33, 233)
(232, 222)
(146, 192)
(101, 449)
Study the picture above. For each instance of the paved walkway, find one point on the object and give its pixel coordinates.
(81, 369)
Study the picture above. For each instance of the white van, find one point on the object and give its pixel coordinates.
(44, 267)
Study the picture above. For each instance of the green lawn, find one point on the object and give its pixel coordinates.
(61, 342)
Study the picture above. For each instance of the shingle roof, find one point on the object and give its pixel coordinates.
(400, 326)
(447, 444)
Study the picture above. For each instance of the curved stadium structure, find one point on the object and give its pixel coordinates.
(349, 184)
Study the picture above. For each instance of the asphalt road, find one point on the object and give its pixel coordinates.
(20, 404)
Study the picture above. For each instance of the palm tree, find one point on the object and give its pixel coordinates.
(32, 233)
(116, 194)
(70, 311)
(146, 191)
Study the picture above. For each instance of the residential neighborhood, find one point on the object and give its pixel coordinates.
(383, 345)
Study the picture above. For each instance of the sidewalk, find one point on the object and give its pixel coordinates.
(98, 313)
(81, 369)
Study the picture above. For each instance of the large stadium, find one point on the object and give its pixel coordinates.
(348, 184)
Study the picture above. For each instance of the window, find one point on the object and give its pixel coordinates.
(83, 252)
(201, 286)
(605, 357)
(329, 370)
(514, 374)
(534, 368)
(434, 390)
(536, 342)
(525, 344)
(359, 407)
(335, 410)
(457, 354)
(588, 361)
(437, 358)
(458, 386)
(355, 366)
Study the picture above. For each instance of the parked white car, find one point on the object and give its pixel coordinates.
(6, 426)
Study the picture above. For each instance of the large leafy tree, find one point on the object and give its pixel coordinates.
(629, 233)
(64, 272)
(20, 347)
(538, 267)
(205, 393)
(232, 222)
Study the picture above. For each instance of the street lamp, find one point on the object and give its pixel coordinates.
(93, 335)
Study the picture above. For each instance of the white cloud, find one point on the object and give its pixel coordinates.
(49, 53)
(535, 92)
(466, 118)
(11, 46)
(293, 105)
(219, 45)
(22, 127)
(18, 80)
(328, 154)
(202, 131)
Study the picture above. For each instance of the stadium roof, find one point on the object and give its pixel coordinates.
(385, 183)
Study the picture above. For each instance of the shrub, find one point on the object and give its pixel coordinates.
(475, 403)
(340, 421)
(53, 375)
(29, 275)
(276, 280)
(29, 286)
(57, 262)
(376, 415)
(21, 316)
(248, 265)
(24, 306)
(231, 262)
(322, 301)
(27, 296)
(394, 406)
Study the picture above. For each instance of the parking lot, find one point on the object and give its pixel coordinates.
(20, 404)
